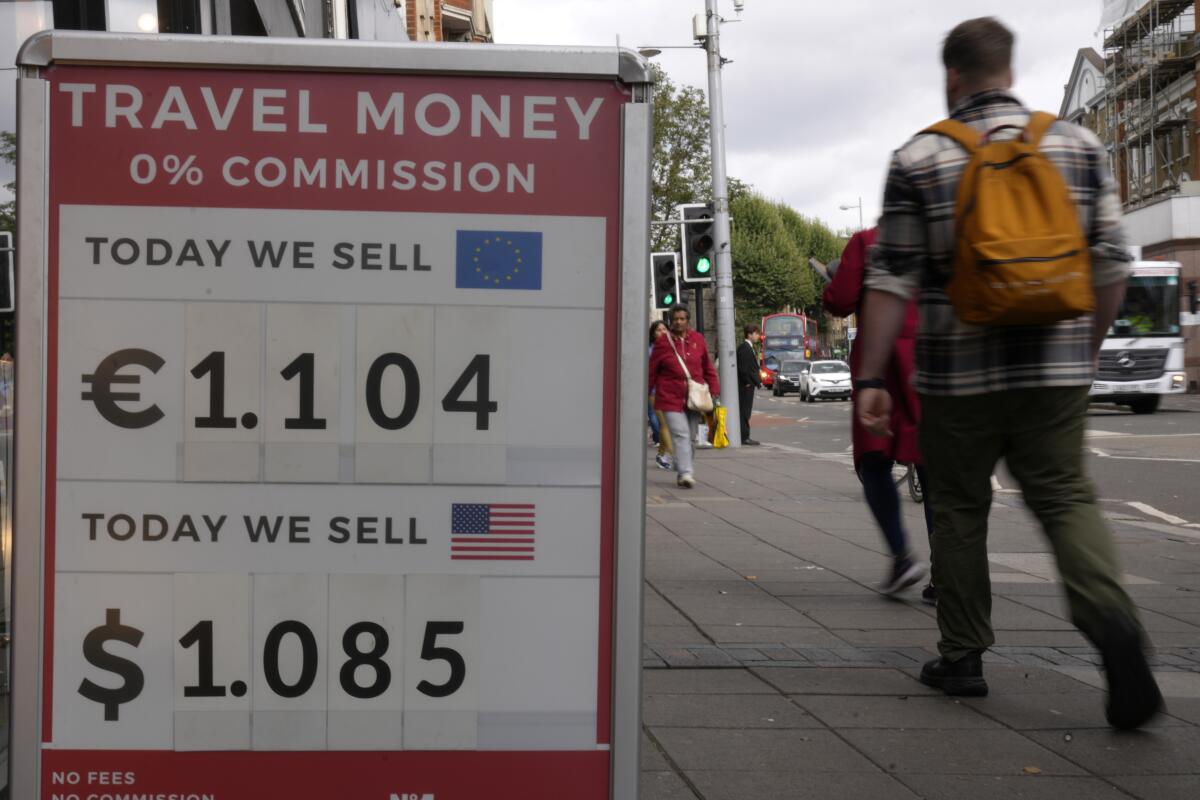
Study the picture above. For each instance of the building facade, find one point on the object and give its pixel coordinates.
(448, 20)
(1141, 97)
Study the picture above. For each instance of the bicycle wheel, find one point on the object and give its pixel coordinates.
(915, 490)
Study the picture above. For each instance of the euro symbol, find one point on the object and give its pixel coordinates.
(108, 402)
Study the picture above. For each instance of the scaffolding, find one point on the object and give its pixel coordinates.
(1150, 99)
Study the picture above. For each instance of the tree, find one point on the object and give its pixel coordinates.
(681, 171)
(767, 274)
(814, 239)
(8, 209)
(771, 245)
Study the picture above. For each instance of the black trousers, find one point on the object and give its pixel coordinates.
(745, 405)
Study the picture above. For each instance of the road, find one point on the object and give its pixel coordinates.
(1146, 467)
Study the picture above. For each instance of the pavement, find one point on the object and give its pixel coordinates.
(774, 669)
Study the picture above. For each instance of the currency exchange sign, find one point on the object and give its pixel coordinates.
(329, 449)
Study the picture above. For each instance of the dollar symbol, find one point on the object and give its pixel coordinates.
(106, 400)
(97, 656)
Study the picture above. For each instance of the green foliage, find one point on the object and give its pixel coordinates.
(8, 210)
(771, 247)
(681, 171)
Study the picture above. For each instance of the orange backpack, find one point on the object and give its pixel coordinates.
(1021, 257)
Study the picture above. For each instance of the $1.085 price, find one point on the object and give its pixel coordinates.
(297, 661)
(200, 639)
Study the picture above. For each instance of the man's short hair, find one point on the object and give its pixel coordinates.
(748, 329)
(978, 48)
(675, 309)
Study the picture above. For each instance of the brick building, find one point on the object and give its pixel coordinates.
(1141, 97)
(448, 20)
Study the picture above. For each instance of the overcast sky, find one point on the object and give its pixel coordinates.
(820, 91)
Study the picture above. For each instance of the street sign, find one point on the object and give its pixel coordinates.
(333, 503)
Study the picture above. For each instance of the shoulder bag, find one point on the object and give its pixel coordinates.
(699, 398)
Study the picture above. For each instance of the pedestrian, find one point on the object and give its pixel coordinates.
(748, 379)
(1012, 391)
(676, 357)
(664, 458)
(874, 456)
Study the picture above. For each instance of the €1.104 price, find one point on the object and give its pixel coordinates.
(114, 392)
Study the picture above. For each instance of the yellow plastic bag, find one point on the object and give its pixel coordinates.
(717, 435)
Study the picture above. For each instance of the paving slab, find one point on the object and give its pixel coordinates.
(1004, 680)
(768, 569)
(795, 751)
(790, 637)
(652, 758)
(743, 785)
(1023, 787)
(841, 680)
(703, 681)
(1159, 751)
(664, 785)
(724, 711)
(1159, 787)
(900, 616)
(888, 711)
(1067, 711)
(982, 752)
(673, 634)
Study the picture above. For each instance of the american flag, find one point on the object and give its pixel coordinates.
(491, 531)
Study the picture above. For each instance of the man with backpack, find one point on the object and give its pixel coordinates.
(1009, 224)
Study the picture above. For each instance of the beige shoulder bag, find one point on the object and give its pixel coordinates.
(699, 398)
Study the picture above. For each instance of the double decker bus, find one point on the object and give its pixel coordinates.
(786, 337)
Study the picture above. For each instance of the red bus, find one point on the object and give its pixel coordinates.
(786, 336)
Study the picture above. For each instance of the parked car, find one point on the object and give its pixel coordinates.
(789, 377)
(826, 379)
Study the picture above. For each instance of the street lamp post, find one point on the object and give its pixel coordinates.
(726, 337)
(847, 207)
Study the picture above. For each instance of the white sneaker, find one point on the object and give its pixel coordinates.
(686, 481)
(664, 462)
(905, 572)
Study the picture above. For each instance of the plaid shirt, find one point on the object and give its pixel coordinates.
(915, 249)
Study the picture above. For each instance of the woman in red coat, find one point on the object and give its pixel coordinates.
(874, 455)
(667, 379)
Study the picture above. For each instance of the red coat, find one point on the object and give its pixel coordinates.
(666, 376)
(843, 297)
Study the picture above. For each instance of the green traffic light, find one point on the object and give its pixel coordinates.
(668, 299)
(703, 265)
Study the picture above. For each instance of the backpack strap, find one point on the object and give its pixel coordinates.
(960, 132)
(1039, 123)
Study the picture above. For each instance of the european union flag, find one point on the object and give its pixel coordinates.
(498, 260)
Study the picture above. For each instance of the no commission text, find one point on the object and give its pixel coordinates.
(291, 111)
(338, 173)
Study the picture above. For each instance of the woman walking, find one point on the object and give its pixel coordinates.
(874, 455)
(675, 357)
(658, 425)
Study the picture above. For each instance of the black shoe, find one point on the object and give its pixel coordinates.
(962, 678)
(929, 594)
(751, 442)
(1133, 695)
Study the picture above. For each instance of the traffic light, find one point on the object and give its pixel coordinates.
(664, 279)
(7, 286)
(698, 244)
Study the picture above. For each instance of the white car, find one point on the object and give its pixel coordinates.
(826, 379)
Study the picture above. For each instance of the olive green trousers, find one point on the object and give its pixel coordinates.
(1039, 434)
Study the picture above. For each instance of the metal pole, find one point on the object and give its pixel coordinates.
(860, 227)
(726, 338)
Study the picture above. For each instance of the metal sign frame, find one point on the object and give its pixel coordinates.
(35, 432)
